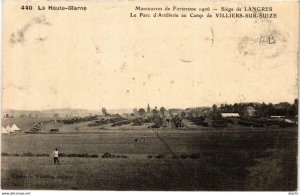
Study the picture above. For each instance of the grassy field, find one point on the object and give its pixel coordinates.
(164, 159)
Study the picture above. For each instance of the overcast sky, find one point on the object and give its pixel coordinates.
(103, 58)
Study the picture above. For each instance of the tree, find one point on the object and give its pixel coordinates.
(177, 121)
(104, 111)
(214, 107)
(215, 114)
(296, 101)
(183, 114)
(155, 112)
(162, 110)
(142, 111)
(270, 109)
(235, 107)
(294, 109)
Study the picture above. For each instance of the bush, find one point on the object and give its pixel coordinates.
(94, 156)
(29, 154)
(84, 155)
(8, 154)
(70, 155)
(106, 155)
(62, 155)
(77, 155)
(4, 154)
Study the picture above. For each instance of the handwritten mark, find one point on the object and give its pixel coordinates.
(267, 40)
(19, 36)
(212, 36)
(186, 61)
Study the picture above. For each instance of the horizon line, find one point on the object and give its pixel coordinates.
(137, 107)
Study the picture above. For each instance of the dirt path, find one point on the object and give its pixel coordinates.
(169, 149)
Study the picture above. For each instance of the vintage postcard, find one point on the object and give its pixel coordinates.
(150, 95)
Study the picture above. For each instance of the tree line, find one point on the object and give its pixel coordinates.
(263, 109)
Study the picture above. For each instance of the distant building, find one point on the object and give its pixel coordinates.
(148, 109)
(277, 116)
(230, 115)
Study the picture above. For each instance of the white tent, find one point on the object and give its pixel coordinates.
(8, 128)
(288, 120)
(15, 128)
(4, 130)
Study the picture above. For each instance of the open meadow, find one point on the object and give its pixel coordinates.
(100, 158)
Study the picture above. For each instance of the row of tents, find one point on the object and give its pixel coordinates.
(9, 129)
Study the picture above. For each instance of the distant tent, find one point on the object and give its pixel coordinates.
(288, 120)
(15, 128)
(4, 130)
(8, 128)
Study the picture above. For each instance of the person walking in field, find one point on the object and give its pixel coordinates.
(55, 155)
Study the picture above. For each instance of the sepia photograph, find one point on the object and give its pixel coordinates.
(149, 95)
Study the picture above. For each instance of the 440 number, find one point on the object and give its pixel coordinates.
(26, 7)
